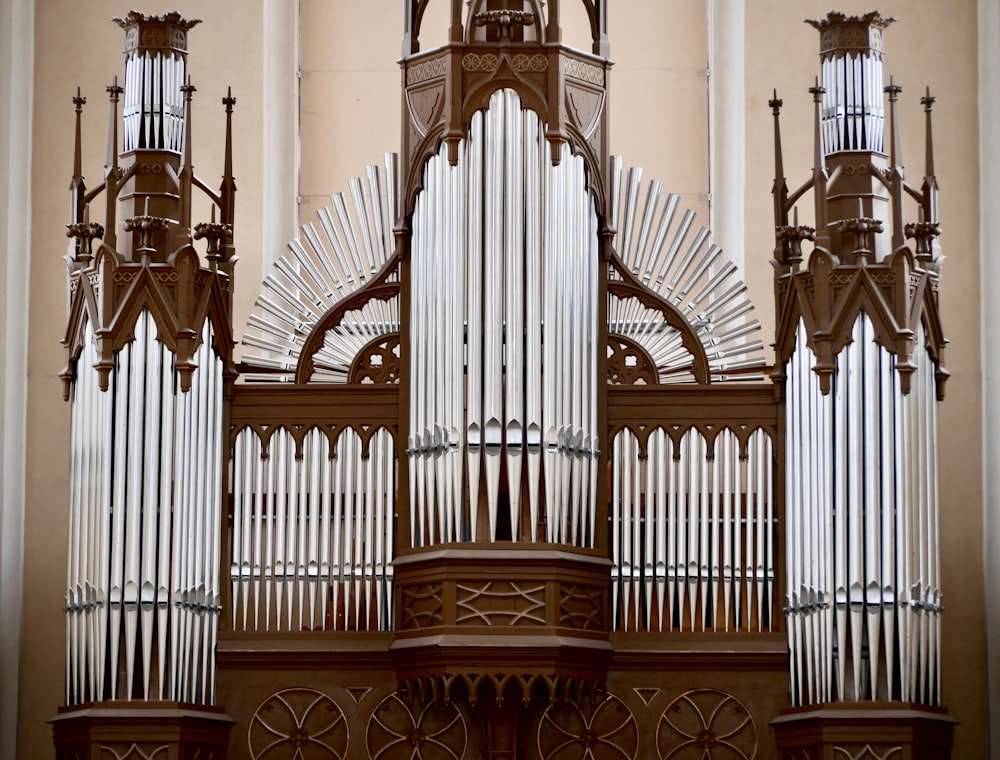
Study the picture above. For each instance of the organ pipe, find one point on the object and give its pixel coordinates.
(692, 527)
(145, 517)
(863, 590)
(511, 260)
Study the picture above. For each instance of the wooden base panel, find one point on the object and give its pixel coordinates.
(141, 731)
(864, 731)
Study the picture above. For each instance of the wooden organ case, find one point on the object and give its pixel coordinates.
(500, 473)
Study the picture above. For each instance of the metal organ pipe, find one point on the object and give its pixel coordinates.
(529, 270)
(691, 532)
(153, 103)
(863, 603)
(314, 548)
(145, 525)
(852, 115)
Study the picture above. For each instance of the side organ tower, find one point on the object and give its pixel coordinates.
(860, 352)
(149, 345)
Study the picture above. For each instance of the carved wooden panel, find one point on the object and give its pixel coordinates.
(410, 730)
(868, 752)
(422, 606)
(571, 731)
(706, 724)
(500, 603)
(377, 362)
(202, 753)
(629, 363)
(581, 607)
(426, 104)
(304, 724)
(134, 751)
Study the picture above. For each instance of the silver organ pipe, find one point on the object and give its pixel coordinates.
(529, 269)
(863, 593)
(312, 538)
(692, 532)
(145, 525)
(667, 253)
(88, 591)
(350, 244)
(153, 107)
(852, 116)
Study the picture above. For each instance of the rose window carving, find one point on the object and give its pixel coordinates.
(706, 724)
(605, 731)
(298, 724)
(408, 731)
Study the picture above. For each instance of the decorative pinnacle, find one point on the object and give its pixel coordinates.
(229, 101)
(927, 100)
(85, 232)
(214, 232)
(147, 226)
(892, 89)
(862, 228)
(817, 91)
(874, 18)
(114, 90)
(775, 103)
(79, 101)
(923, 233)
(794, 234)
(188, 89)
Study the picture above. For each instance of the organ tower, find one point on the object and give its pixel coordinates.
(860, 352)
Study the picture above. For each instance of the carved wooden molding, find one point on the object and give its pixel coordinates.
(897, 296)
(629, 363)
(630, 287)
(483, 684)
(301, 723)
(300, 408)
(377, 362)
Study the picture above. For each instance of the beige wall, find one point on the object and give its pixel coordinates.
(349, 113)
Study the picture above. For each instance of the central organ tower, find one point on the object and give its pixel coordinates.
(504, 169)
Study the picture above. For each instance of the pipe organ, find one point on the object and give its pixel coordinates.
(692, 526)
(312, 531)
(501, 470)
